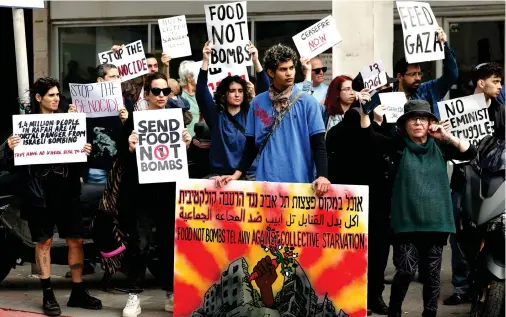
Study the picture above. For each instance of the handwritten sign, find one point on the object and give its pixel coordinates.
(216, 75)
(394, 105)
(49, 138)
(130, 60)
(238, 229)
(317, 38)
(419, 25)
(101, 99)
(227, 29)
(468, 117)
(161, 151)
(374, 75)
(174, 34)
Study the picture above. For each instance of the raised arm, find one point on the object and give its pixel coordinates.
(202, 94)
(450, 69)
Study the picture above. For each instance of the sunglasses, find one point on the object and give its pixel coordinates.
(157, 91)
(318, 70)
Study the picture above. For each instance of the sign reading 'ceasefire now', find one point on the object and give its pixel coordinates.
(130, 60)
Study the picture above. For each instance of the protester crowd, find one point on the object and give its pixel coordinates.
(275, 130)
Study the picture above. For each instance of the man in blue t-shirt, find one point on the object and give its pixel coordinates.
(295, 150)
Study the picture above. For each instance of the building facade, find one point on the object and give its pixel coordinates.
(72, 33)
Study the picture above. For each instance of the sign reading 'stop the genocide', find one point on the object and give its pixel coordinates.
(130, 60)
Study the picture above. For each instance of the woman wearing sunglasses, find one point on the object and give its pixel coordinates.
(50, 195)
(142, 206)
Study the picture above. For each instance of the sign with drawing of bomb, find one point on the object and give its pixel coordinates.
(160, 151)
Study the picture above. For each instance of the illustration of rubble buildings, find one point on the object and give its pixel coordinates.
(234, 296)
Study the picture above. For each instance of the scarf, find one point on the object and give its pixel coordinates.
(421, 200)
(280, 99)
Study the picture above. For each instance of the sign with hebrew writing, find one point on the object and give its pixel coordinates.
(270, 249)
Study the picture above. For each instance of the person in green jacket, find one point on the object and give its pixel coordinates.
(421, 213)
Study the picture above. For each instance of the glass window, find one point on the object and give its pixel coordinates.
(79, 48)
(198, 37)
(428, 68)
(475, 43)
(273, 32)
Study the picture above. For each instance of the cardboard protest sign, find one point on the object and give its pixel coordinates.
(419, 25)
(309, 241)
(227, 29)
(161, 151)
(374, 75)
(394, 103)
(49, 138)
(130, 60)
(468, 117)
(174, 34)
(317, 38)
(103, 99)
(216, 75)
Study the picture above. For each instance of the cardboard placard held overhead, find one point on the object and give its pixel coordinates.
(174, 35)
(130, 60)
(419, 25)
(317, 38)
(103, 99)
(227, 29)
(374, 75)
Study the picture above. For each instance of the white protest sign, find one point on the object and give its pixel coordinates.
(101, 99)
(421, 43)
(468, 117)
(39, 4)
(50, 138)
(317, 38)
(174, 34)
(161, 151)
(394, 105)
(130, 60)
(227, 29)
(216, 75)
(374, 75)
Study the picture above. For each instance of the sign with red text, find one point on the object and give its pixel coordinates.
(374, 75)
(174, 36)
(270, 249)
(161, 151)
(227, 29)
(102, 99)
(419, 25)
(317, 38)
(216, 75)
(50, 138)
(130, 60)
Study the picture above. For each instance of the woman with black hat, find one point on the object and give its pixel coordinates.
(422, 216)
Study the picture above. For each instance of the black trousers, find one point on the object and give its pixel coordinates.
(154, 209)
(379, 240)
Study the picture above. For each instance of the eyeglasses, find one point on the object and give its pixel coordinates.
(413, 74)
(421, 119)
(347, 89)
(318, 70)
(157, 91)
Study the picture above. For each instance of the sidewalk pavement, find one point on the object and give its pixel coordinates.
(21, 291)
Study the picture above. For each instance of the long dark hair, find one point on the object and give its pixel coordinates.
(220, 95)
(41, 87)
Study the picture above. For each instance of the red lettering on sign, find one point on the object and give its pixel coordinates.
(317, 42)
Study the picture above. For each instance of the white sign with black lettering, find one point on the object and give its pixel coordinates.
(130, 60)
(161, 151)
(419, 25)
(227, 29)
(216, 75)
(317, 38)
(374, 75)
(174, 34)
(394, 105)
(103, 99)
(468, 117)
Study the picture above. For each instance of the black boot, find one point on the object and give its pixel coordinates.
(377, 305)
(49, 303)
(80, 297)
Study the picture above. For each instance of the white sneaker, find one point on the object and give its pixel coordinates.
(132, 307)
(169, 302)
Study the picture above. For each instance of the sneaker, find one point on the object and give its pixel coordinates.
(82, 299)
(456, 299)
(50, 305)
(132, 307)
(169, 302)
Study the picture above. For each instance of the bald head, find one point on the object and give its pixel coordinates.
(174, 86)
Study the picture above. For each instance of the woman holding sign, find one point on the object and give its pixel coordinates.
(51, 194)
(143, 206)
(421, 213)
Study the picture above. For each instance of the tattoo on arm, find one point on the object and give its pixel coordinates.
(76, 266)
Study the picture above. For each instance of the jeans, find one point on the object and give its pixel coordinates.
(460, 267)
(96, 176)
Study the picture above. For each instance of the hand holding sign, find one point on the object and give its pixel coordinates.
(133, 139)
(379, 113)
(13, 141)
(165, 59)
(87, 148)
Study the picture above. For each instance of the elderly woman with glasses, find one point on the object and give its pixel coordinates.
(421, 213)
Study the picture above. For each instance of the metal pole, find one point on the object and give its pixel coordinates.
(18, 20)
